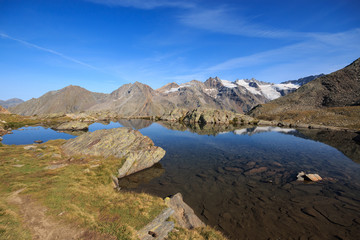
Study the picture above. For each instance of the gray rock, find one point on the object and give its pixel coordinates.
(30, 147)
(183, 214)
(56, 166)
(73, 126)
(300, 176)
(138, 150)
(158, 228)
(207, 115)
(18, 165)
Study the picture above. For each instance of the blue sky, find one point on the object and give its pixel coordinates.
(102, 44)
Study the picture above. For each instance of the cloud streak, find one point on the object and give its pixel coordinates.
(145, 4)
(47, 50)
(223, 20)
(320, 53)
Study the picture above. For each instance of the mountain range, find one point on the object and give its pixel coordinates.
(11, 102)
(139, 99)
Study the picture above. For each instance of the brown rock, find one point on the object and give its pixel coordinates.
(257, 170)
(4, 110)
(313, 177)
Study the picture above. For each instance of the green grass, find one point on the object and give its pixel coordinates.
(206, 233)
(15, 121)
(82, 192)
(10, 223)
(347, 117)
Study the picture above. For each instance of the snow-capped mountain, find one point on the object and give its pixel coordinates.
(138, 99)
(270, 91)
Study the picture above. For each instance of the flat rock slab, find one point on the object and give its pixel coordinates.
(138, 150)
(313, 177)
(18, 165)
(55, 166)
(30, 147)
(158, 228)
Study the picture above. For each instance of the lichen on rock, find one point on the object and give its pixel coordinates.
(138, 150)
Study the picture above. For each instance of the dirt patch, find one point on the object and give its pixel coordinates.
(46, 227)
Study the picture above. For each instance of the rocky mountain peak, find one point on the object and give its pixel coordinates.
(213, 82)
(168, 88)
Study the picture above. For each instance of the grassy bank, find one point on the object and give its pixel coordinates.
(346, 117)
(75, 190)
(15, 121)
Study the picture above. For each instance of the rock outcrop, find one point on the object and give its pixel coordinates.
(203, 115)
(73, 126)
(338, 89)
(138, 99)
(4, 110)
(138, 150)
(183, 214)
(158, 228)
(67, 100)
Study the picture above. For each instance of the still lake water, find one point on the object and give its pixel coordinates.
(243, 181)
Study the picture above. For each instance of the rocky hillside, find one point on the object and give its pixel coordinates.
(67, 100)
(135, 99)
(11, 102)
(332, 94)
(4, 110)
(303, 81)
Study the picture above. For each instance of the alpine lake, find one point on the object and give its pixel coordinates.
(243, 181)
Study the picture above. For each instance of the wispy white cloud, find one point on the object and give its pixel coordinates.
(320, 53)
(224, 20)
(320, 44)
(3, 35)
(146, 4)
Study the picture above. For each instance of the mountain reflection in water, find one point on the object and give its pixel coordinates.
(242, 180)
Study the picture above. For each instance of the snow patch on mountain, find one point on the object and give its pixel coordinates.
(177, 89)
(228, 84)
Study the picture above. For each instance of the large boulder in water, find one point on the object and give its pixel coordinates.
(139, 150)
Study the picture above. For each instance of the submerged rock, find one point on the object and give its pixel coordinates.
(357, 139)
(300, 176)
(138, 150)
(73, 126)
(313, 177)
(308, 177)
